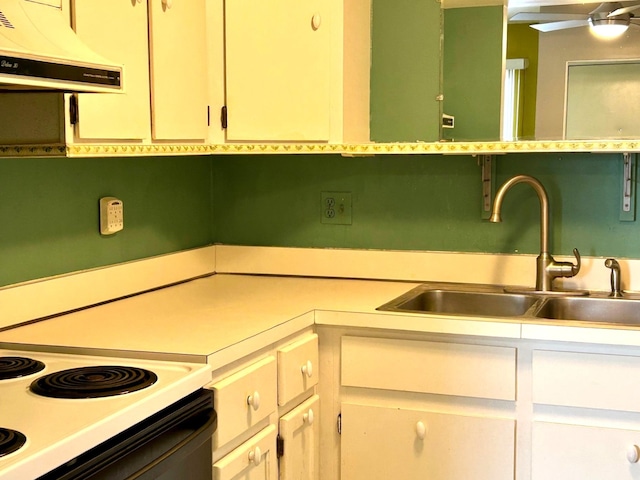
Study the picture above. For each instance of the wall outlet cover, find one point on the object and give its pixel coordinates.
(336, 208)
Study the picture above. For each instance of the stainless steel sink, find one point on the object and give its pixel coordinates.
(621, 311)
(461, 302)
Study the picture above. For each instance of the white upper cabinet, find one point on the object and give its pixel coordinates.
(116, 30)
(177, 39)
(278, 70)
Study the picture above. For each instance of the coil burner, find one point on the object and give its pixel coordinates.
(93, 382)
(10, 441)
(16, 367)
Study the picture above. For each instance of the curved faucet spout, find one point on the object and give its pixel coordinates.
(544, 206)
(547, 268)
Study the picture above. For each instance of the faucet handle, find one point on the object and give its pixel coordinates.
(576, 268)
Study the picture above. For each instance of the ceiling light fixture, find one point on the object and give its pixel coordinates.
(608, 27)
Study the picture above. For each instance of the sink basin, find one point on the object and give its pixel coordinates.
(460, 302)
(589, 309)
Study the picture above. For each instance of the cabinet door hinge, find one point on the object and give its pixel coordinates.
(73, 109)
(339, 424)
(279, 446)
(223, 116)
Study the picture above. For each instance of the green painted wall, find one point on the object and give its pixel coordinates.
(472, 71)
(421, 202)
(405, 70)
(49, 207)
(49, 211)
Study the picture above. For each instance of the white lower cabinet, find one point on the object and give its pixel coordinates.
(579, 452)
(268, 414)
(255, 459)
(414, 410)
(299, 440)
(409, 444)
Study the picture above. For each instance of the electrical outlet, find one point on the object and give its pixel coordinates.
(336, 208)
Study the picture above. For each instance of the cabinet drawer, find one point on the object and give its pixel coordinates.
(429, 367)
(587, 380)
(579, 452)
(297, 368)
(255, 459)
(244, 399)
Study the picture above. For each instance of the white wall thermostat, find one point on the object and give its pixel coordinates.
(111, 215)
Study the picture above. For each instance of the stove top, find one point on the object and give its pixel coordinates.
(53, 407)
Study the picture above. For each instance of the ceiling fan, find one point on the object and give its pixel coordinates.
(613, 17)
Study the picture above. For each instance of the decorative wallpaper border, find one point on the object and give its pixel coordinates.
(364, 149)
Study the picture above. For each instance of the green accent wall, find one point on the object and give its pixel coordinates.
(421, 202)
(405, 70)
(49, 207)
(50, 219)
(472, 71)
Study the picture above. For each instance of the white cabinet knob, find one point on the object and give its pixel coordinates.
(421, 430)
(308, 417)
(255, 456)
(307, 368)
(316, 20)
(254, 400)
(633, 453)
(167, 3)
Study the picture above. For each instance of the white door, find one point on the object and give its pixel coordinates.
(277, 69)
(177, 32)
(117, 30)
(300, 433)
(575, 452)
(389, 442)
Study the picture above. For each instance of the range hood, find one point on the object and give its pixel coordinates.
(39, 50)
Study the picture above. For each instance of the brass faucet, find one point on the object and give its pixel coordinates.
(547, 268)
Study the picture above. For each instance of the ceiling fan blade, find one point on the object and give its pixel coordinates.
(553, 26)
(545, 17)
(623, 10)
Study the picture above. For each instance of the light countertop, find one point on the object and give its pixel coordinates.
(223, 317)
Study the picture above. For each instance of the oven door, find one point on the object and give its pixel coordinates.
(174, 443)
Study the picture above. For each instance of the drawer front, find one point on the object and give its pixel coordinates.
(244, 399)
(381, 442)
(429, 367)
(297, 368)
(577, 452)
(587, 380)
(255, 459)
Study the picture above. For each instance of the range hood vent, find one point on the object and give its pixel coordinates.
(39, 50)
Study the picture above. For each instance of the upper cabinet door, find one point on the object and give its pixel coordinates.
(278, 69)
(177, 38)
(117, 30)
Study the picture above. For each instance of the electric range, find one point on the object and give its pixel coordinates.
(40, 431)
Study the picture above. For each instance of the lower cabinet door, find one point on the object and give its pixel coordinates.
(300, 434)
(576, 452)
(387, 442)
(255, 459)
